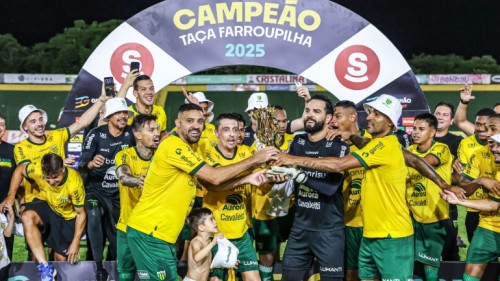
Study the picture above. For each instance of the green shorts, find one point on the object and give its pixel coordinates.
(265, 235)
(429, 242)
(353, 237)
(484, 247)
(155, 259)
(387, 258)
(124, 260)
(247, 257)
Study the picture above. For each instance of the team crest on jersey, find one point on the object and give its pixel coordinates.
(103, 135)
(301, 141)
(63, 199)
(328, 144)
(161, 274)
(54, 148)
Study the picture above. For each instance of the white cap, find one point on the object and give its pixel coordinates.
(200, 96)
(257, 100)
(115, 105)
(496, 137)
(388, 105)
(26, 111)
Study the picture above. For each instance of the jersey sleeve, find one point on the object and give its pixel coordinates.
(78, 190)
(89, 148)
(162, 119)
(472, 170)
(375, 153)
(462, 156)
(33, 171)
(441, 152)
(121, 159)
(21, 155)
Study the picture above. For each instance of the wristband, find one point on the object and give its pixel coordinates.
(463, 102)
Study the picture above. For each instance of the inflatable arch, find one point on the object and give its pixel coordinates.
(318, 40)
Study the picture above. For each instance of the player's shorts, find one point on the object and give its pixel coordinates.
(155, 259)
(124, 260)
(353, 237)
(266, 235)
(303, 246)
(57, 232)
(484, 247)
(387, 258)
(429, 242)
(247, 257)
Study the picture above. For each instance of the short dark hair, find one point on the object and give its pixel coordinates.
(142, 77)
(345, 104)
(3, 117)
(188, 107)
(52, 164)
(429, 118)
(328, 103)
(240, 118)
(449, 105)
(221, 116)
(485, 112)
(197, 217)
(141, 120)
(496, 116)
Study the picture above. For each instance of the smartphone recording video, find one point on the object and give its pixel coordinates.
(109, 86)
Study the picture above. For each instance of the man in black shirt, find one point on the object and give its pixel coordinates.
(445, 112)
(318, 227)
(7, 167)
(102, 202)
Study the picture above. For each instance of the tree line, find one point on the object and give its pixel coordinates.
(66, 52)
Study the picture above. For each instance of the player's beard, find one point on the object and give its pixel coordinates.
(318, 126)
(193, 139)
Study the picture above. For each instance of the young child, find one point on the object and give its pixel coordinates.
(203, 223)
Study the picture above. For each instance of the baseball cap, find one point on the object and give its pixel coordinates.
(115, 105)
(200, 96)
(26, 111)
(257, 100)
(388, 105)
(496, 137)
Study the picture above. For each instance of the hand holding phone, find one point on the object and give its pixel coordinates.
(109, 86)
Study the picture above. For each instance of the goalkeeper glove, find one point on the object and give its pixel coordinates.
(293, 173)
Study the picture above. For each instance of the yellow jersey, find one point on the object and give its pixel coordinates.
(63, 198)
(158, 111)
(385, 213)
(230, 207)
(482, 164)
(465, 150)
(422, 194)
(168, 192)
(27, 151)
(351, 191)
(129, 196)
(260, 196)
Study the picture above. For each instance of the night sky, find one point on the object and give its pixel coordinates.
(464, 27)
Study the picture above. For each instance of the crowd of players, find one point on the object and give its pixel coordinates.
(361, 204)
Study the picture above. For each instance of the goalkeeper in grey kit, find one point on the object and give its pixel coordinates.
(318, 227)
